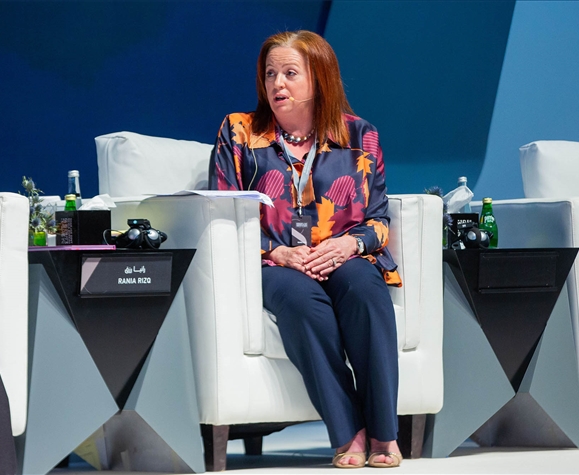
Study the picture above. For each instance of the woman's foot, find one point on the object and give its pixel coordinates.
(384, 454)
(353, 454)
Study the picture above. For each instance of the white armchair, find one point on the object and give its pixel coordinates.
(242, 373)
(13, 322)
(548, 216)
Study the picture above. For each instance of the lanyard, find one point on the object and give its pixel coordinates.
(300, 182)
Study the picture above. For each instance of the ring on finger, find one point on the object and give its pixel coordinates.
(334, 263)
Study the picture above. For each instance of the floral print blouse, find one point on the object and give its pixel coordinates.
(345, 193)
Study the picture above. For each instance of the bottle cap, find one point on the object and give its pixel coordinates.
(73, 173)
(70, 197)
(462, 179)
(487, 200)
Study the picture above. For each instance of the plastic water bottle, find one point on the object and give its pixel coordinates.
(489, 223)
(466, 208)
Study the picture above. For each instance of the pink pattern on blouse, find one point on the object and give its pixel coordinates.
(342, 191)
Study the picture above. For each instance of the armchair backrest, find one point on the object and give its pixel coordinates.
(14, 305)
(165, 165)
(550, 169)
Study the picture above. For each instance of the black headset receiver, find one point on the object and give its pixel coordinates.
(476, 238)
(471, 237)
(140, 235)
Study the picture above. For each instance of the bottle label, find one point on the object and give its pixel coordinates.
(488, 219)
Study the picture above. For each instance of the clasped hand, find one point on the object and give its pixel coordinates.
(319, 261)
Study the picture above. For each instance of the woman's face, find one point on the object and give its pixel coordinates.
(287, 81)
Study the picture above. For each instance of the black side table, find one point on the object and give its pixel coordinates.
(510, 362)
(111, 375)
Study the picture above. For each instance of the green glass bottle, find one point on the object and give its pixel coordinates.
(489, 223)
(70, 203)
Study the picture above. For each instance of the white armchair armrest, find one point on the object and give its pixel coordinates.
(416, 246)
(14, 305)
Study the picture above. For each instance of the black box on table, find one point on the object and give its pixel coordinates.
(82, 227)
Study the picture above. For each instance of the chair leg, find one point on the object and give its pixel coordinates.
(253, 445)
(411, 435)
(215, 445)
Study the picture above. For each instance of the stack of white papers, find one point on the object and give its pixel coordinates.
(247, 195)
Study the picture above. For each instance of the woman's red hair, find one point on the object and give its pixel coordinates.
(329, 97)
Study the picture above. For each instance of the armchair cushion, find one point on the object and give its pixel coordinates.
(550, 169)
(164, 165)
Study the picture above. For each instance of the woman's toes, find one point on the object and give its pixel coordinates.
(383, 459)
(348, 461)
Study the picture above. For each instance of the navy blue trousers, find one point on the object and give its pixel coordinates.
(321, 323)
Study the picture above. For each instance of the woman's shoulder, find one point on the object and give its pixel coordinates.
(237, 126)
(363, 134)
(357, 124)
(242, 118)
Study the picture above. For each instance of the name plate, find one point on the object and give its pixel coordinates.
(124, 275)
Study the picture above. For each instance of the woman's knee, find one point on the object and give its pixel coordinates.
(287, 291)
(358, 280)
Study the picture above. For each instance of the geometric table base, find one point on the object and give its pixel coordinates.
(479, 399)
(60, 414)
(69, 402)
(158, 430)
(545, 411)
(515, 425)
(127, 443)
(479, 387)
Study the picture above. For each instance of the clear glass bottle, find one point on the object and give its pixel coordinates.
(74, 186)
(70, 202)
(466, 208)
(489, 223)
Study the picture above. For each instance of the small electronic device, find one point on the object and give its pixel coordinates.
(469, 236)
(140, 235)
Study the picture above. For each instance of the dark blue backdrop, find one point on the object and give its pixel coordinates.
(437, 78)
(75, 70)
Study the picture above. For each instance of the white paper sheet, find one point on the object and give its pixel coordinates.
(214, 194)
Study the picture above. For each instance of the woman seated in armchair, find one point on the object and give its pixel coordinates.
(325, 263)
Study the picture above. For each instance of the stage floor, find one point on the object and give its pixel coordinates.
(304, 449)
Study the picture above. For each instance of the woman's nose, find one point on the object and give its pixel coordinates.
(279, 80)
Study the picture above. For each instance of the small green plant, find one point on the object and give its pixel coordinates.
(41, 217)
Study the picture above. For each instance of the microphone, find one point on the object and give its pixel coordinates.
(293, 99)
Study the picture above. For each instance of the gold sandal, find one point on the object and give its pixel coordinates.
(396, 460)
(360, 456)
